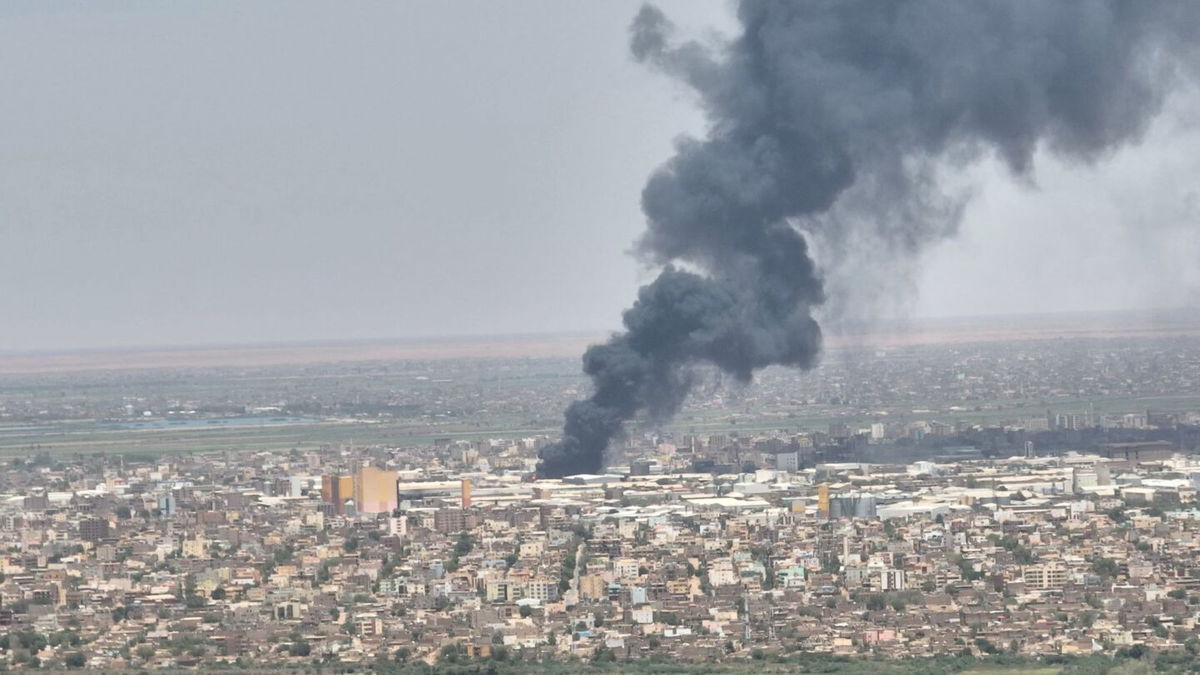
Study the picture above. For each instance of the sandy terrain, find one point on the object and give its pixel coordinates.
(534, 346)
(930, 331)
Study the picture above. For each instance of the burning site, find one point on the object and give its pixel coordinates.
(829, 125)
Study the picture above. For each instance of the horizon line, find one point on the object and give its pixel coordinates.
(828, 326)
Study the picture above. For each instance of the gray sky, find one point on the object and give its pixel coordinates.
(183, 173)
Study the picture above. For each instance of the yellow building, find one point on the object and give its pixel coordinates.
(337, 490)
(592, 587)
(195, 548)
(375, 490)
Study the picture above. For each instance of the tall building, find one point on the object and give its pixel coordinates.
(398, 526)
(375, 490)
(449, 520)
(892, 580)
(337, 490)
(822, 501)
(466, 494)
(93, 529)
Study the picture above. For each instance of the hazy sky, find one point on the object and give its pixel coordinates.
(183, 173)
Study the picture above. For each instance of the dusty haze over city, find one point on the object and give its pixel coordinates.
(228, 173)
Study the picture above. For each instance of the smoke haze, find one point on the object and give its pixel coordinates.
(837, 127)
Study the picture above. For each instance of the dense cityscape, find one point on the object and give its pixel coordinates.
(635, 336)
(990, 501)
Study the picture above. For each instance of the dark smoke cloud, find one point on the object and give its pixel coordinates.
(836, 119)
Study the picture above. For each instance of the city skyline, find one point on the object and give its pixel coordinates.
(564, 336)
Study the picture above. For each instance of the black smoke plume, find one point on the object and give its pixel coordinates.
(835, 119)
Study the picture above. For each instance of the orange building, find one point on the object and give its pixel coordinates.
(337, 490)
(823, 501)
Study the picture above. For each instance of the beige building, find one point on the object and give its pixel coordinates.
(1046, 576)
(195, 548)
(375, 490)
(592, 587)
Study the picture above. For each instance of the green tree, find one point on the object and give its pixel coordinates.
(1105, 567)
